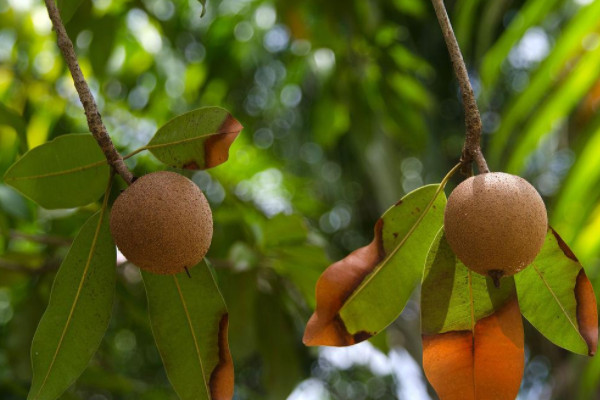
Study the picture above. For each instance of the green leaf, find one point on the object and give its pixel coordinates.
(77, 316)
(558, 105)
(452, 297)
(404, 266)
(189, 322)
(472, 332)
(198, 139)
(558, 299)
(69, 171)
(577, 198)
(67, 9)
(569, 45)
(360, 295)
(530, 14)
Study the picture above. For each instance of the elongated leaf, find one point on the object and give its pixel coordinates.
(576, 200)
(198, 139)
(473, 345)
(568, 46)
(529, 15)
(558, 299)
(69, 171)
(189, 322)
(579, 81)
(360, 295)
(77, 316)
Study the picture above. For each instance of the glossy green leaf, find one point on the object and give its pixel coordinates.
(529, 15)
(198, 139)
(473, 344)
(77, 316)
(557, 297)
(360, 295)
(189, 322)
(569, 45)
(69, 171)
(453, 297)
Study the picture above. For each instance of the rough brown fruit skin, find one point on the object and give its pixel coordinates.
(162, 223)
(495, 222)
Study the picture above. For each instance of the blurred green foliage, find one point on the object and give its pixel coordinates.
(347, 105)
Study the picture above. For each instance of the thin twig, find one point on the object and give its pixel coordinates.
(85, 95)
(43, 239)
(472, 147)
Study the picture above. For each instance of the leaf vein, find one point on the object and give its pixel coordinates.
(555, 298)
(78, 293)
(56, 173)
(189, 320)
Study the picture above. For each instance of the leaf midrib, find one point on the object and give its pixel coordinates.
(189, 321)
(56, 173)
(151, 146)
(380, 266)
(556, 298)
(78, 293)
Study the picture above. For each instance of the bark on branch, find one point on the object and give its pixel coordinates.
(85, 95)
(472, 147)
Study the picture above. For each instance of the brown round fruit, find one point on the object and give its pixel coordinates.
(162, 223)
(495, 223)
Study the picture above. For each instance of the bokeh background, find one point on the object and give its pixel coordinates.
(347, 106)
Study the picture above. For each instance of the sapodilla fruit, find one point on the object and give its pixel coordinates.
(495, 223)
(162, 223)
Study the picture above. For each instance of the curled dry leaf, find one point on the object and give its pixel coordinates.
(360, 295)
(473, 344)
(485, 363)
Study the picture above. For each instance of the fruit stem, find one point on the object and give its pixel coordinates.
(85, 95)
(472, 147)
(496, 274)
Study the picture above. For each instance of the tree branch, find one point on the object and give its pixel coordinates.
(85, 95)
(472, 147)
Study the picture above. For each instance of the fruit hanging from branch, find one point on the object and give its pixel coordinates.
(496, 224)
(162, 223)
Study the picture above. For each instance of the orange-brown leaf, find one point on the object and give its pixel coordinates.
(486, 363)
(221, 379)
(216, 147)
(587, 311)
(325, 327)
